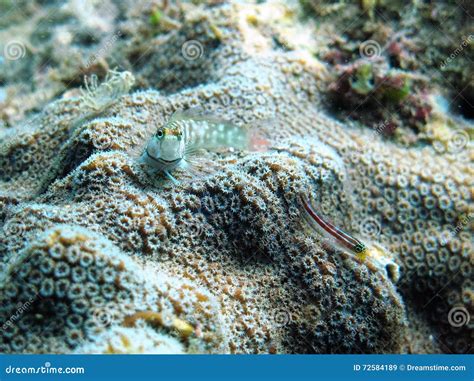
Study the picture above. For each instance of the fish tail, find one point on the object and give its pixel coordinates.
(258, 141)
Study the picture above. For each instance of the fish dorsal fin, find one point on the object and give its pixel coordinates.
(198, 114)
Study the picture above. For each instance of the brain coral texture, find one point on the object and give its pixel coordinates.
(100, 256)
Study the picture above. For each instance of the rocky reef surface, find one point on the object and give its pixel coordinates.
(100, 256)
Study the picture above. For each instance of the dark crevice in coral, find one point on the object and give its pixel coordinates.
(464, 105)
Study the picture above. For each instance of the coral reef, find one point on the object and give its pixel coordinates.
(395, 62)
(98, 256)
(78, 284)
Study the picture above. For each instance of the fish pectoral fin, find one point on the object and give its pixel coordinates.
(169, 176)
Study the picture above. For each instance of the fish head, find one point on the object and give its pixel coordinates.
(167, 145)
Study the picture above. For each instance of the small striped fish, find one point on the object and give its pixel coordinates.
(187, 132)
(353, 244)
(374, 255)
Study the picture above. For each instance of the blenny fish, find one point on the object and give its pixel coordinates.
(374, 255)
(187, 132)
(354, 245)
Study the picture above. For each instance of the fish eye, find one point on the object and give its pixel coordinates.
(160, 133)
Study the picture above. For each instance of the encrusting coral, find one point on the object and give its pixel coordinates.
(109, 259)
(79, 284)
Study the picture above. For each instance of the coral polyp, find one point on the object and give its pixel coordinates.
(98, 97)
